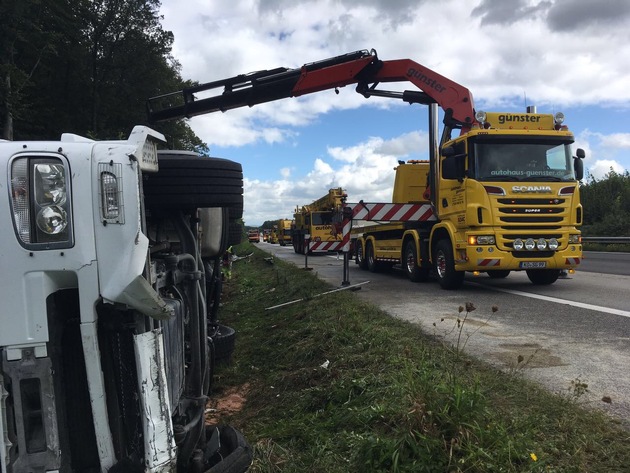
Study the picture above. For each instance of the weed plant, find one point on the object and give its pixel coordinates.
(336, 385)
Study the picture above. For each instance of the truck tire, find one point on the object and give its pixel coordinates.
(499, 273)
(370, 257)
(445, 266)
(543, 277)
(360, 258)
(224, 340)
(186, 181)
(235, 233)
(410, 264)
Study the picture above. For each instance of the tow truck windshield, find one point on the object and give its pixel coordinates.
(524, 160)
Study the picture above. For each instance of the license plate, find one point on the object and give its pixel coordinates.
(533, 264)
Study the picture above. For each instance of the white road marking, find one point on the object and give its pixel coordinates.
(607, 310)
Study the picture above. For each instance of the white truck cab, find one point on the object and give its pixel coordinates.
(110, 251)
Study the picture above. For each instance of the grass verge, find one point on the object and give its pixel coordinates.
(333, 384)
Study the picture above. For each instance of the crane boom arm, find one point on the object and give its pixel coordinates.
(360, 67)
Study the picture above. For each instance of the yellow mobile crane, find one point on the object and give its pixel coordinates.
(314, 223)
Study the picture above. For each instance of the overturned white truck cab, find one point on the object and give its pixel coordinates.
(110, 253)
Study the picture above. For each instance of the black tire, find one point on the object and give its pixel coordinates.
(543, 277)
(445, 266)
(186, 181)
(235, 233)
(224, 341)
(360, 258)
(499, 273)
(410, 264)
(370, 256)
(235, 454)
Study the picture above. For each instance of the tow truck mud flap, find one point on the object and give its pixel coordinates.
(159, 443)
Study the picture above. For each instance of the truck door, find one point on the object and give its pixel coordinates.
(451, 188)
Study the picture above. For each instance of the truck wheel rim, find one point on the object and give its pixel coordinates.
(411, 262)
(441, 265)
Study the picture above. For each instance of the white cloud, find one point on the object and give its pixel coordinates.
(600, 168)
(555, 54)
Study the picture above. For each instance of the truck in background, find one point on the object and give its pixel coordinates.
(253, 236)
(315, 223)
(108, 329)
(284, 231)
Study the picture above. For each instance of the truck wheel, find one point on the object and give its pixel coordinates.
(410, 264)
(361, 261)
(223, 339)
(499, 273)
(445, 266)
(543, 277)
(185, 181)
(370, 256)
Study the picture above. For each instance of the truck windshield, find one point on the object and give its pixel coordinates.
(512, 160)
(322, 218)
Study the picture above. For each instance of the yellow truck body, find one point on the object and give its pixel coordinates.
(505, 199)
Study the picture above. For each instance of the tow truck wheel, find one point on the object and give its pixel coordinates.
(372, 264)
(361, 261)
(543, 277)
(499, 273)
(445, 266)
(410, 264)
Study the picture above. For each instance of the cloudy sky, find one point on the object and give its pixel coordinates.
(559, 55)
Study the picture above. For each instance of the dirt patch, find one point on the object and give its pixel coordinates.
(527, 355)
(226, 403)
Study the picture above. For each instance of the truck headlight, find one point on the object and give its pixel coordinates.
(541, 244)
(575, 238)
(40, 201)
(553, 244)
(481, 240)
(518, 244)
(530, 244)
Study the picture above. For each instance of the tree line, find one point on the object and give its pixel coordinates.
(85, 67)
(606, 204)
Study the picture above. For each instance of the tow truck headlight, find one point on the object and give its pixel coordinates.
(481, 240)
(574, 239)
(541, 244)
(558, 118)
(553, 244)
(40, 200)
(530, 244)
(518, 244)
(481, 116)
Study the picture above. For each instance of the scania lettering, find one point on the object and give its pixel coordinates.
(532, 189)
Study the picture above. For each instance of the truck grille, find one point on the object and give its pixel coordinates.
(531, 217)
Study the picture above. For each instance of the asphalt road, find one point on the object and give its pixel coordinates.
(577, 329)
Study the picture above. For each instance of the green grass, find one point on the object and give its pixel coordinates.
(392, 398)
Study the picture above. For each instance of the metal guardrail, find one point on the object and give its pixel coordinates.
(607, 240)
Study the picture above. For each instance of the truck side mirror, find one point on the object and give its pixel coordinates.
(578, 164)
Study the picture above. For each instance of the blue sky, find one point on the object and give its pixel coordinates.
(560, 55)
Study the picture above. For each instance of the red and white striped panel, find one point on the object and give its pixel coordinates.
(572, 261)
(317, 246)
(392, 212)
(488, 262)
